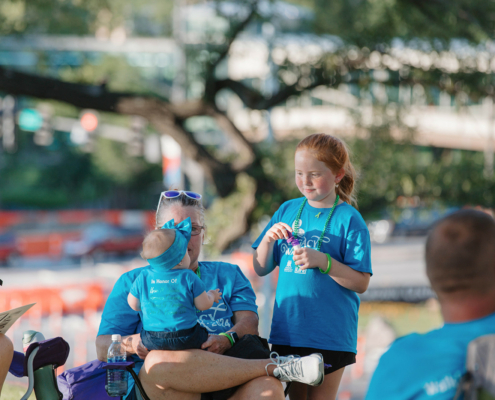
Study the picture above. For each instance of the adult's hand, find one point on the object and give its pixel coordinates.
(134, 345)
(141, 351)
(217, 344)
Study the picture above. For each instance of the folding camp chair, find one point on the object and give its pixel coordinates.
(39, 364)
(478, 383)
(127, 366)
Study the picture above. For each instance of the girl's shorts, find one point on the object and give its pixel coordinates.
(337, 359)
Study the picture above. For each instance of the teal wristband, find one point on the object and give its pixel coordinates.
(329, 265)
(228, 337)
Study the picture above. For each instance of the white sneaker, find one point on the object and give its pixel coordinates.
(308, 370)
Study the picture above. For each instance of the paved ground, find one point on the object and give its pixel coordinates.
(399, 262)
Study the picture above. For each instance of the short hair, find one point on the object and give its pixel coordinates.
(157, 242)
(460, 253)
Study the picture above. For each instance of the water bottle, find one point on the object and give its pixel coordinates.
(116, 378)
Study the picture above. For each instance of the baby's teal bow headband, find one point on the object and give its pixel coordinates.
(175, 253)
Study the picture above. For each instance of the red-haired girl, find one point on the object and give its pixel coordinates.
(316, 304)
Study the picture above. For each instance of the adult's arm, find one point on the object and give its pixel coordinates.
(243, 305)
(131, 344)
(119, 318)
(134, 302)
(245, 322)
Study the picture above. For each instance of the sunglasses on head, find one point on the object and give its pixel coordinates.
(172, 194)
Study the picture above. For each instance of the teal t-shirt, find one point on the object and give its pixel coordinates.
(237, 295)
(311, 309)
(167, 298)
(427, 366)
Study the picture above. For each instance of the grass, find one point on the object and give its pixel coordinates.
(14, 392)
(403, 317)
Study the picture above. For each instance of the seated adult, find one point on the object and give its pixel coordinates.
(6, 355)
(186, 374)
(460, 264)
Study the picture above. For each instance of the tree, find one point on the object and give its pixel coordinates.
(364, 60)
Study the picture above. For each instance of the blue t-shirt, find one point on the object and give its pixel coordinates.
(427, 366)
(237, 295)
(167, 298)
(311, 309)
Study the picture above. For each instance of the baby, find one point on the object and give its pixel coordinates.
(168, 293)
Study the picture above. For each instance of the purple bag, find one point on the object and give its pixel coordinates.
(84, 382)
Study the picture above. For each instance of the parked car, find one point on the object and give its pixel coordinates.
(418, 221)
(98, 239)
(8, 248)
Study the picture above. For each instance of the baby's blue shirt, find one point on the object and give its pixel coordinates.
(167, 298)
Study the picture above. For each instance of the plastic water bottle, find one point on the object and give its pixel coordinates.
(116, 378)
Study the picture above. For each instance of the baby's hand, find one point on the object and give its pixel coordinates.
(217, 294)
(278, 231)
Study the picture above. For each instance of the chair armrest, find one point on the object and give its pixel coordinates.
(118, 365)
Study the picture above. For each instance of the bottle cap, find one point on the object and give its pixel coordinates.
(116, 337)
(293, 241)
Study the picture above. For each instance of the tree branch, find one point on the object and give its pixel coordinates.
(235, 31)
(165, 117)
(256, 101)
(246, 150)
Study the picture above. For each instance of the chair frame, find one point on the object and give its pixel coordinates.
(30, 373)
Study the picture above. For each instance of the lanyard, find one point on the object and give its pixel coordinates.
(327, 222)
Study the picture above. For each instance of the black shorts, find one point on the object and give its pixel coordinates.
(333, 360)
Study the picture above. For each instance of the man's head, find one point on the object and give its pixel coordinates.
(460, 255)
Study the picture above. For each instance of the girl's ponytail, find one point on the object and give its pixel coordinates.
(333, 152)
(346, 185)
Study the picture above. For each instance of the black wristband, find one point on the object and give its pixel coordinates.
(234, 336)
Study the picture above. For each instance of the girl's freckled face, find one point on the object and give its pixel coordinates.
(313, 178)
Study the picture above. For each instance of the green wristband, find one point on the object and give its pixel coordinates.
(329, 265)
(228, 337)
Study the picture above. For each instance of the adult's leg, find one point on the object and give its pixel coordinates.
(326, 391)
(178, 375)
(6, 355)
(265, 388)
